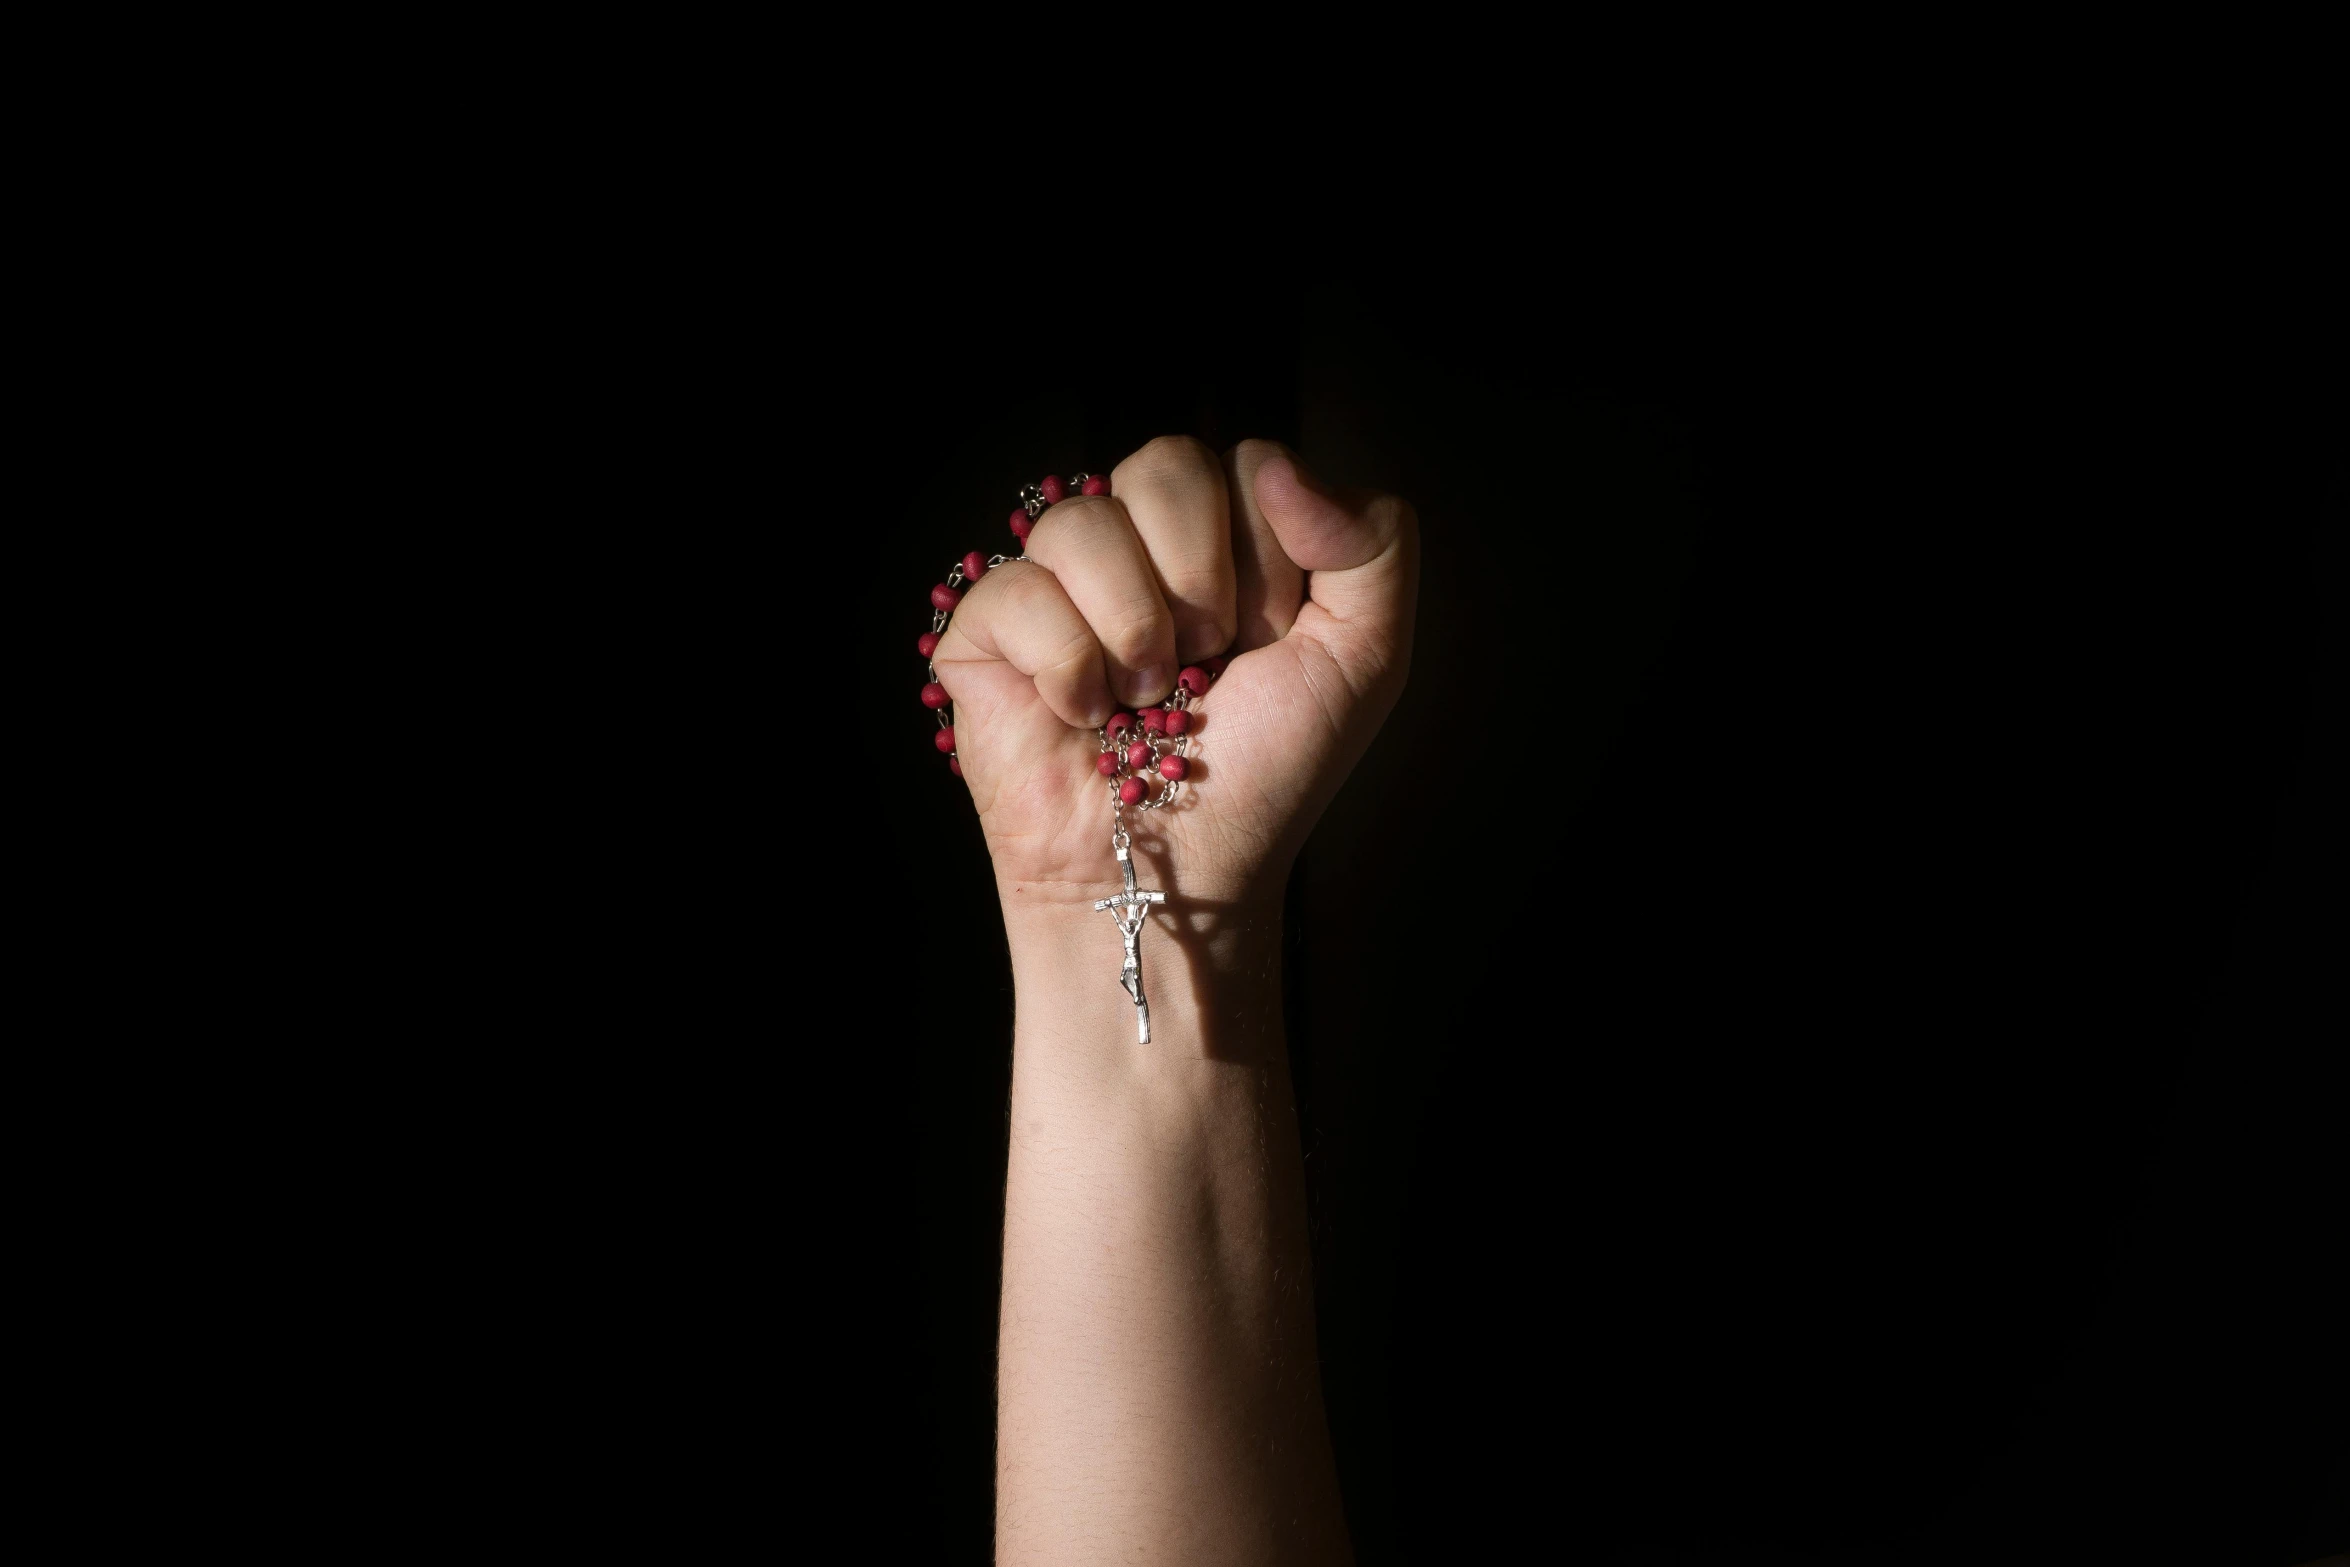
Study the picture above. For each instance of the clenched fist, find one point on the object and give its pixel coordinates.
(1309, 589)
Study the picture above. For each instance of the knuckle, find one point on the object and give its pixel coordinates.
(1164, 459)
(1015, 580)
(999, 592)
(1077, 515)
(1008, 595)
(1249, 453)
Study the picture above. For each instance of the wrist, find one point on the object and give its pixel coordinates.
(1211, 970)
(1216, 906)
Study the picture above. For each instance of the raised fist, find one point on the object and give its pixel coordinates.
(1308, 589)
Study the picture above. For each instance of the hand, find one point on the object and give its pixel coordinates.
(1311, 589)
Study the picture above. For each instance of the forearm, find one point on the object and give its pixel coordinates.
(1158, 1397)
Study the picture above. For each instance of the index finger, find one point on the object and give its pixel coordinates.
(1020, 614)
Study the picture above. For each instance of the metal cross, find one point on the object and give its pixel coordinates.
(1133, 907)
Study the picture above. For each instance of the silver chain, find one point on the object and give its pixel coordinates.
(1032, 496)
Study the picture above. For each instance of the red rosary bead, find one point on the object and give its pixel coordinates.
(944, 597)
(955, 766)
(946, 739)
(1020, 523)
(1096, 485)
(974, 566)
(1154, 720)
(1179, 720)
(1106, 764)
(935, 696)
(1131, 791)
(1193, 679)
(1052, 489)
(1138, 755)
(1172, 768)
(928, 644)
(1119, 722)
(1217, 666)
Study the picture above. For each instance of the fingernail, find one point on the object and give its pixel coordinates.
(1147, 684)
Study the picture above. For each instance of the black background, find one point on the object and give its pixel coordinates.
(1809, 1020)
(1813, 1021)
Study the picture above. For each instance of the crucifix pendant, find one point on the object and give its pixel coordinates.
(1132, 907)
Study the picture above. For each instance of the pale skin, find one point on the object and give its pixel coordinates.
(1158, 1398)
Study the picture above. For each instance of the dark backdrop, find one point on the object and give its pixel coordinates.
(1808, 1021)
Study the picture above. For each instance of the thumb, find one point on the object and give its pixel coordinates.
(1361, 550)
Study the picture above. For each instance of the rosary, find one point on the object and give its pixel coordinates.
(1131, 750)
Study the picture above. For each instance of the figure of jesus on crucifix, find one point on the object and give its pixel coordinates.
(1133, 906)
